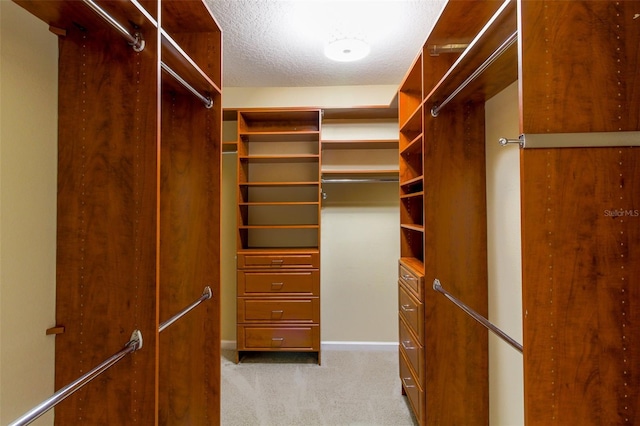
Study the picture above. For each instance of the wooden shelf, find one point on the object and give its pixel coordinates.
(414, 264)
(412, 227)
(418, 180)
(360, 144)
(279, 136)
(361, 172)
(279, 158)
(280, 203)
(278, 184)
(418, 194)
(503, 72)
(180, 62)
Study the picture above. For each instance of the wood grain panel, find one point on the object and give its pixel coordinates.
(579, 66)
(106, 227)
(455, 253)
(189, 260)
(581, 263)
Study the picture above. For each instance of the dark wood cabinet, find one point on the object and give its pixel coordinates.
(138, 235)
(278, 243)
(578, 176)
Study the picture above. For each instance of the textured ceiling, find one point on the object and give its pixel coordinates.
(280, 43)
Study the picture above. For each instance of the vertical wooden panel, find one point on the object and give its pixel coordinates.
(581, 263)
(579, 66)
(455, 252)
(106, 226)
(189, 260)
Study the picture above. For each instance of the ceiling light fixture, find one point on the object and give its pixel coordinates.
(346, 49)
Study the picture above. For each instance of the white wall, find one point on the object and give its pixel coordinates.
(504, 259)
(327, 97)
(28, 162)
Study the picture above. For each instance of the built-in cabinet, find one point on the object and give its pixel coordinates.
(278, 241)
(138, 233)
(579, 121)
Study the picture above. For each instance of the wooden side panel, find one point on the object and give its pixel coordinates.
(456, 346)
(106, 227)
(581, 285)
(579, 66)
(189, 371)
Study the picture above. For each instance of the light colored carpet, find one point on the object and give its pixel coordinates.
(287, 389)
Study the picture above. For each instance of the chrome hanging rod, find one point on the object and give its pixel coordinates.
(575, 140)
(482, 320)
(490, 60)
(136, 41)
(134, 344)
(437, 49)
(206, 294)
(208, 102)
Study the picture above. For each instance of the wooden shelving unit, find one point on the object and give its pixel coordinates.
(138, 210)
(278, 230)
(563, 197)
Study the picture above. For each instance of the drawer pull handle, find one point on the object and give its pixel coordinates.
(277, 262)
(277, 286)
(408, 277)
(404, 383)
(277, 313)
(406, 344)
(277, 339)
(406, 308)
(276, 342)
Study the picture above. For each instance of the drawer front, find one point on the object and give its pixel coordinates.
(304, 338)
(281, 282)
(412, 280)
(412, 388)
(274, 260)
(279, 310)
(412, 349)
(411, 311)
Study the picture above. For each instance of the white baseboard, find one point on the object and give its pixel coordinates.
(337, 346)
(228, 344)
(360, 346)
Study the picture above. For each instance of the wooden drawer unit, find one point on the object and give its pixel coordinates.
(412, 388)
(412, 349)
(412, 280)
(269, 338)
(411, 311)
(273, 260)
(268, 283)
(279, 310)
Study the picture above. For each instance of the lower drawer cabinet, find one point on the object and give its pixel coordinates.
(279, 310)
(412, 311)
(411, 387)
(412, 349)
(299, 338)
(303, 282)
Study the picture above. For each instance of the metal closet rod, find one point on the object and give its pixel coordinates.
(134, 344)
(135, 40)
(476, 316)
(490, 60)
(206, 294)
(207, 101)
